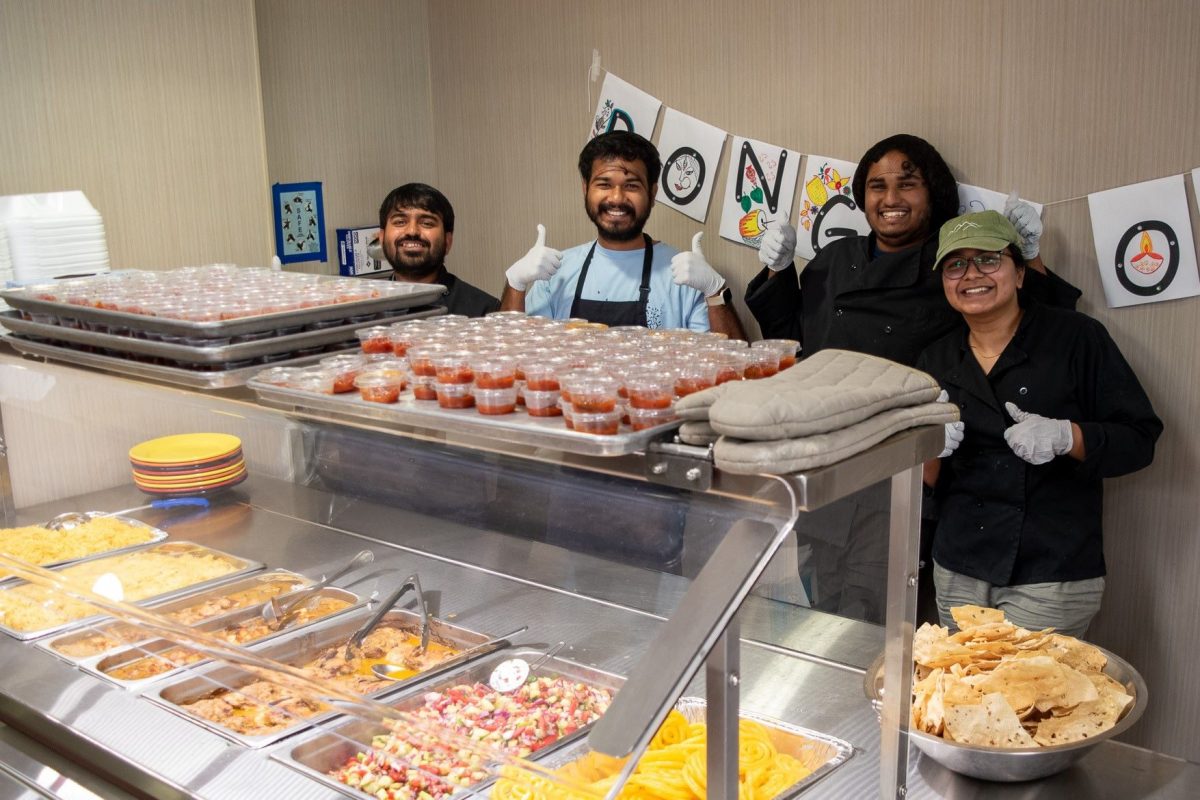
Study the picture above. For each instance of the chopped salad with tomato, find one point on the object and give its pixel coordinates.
(406, 765)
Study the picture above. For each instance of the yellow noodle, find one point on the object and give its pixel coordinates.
(673, 768)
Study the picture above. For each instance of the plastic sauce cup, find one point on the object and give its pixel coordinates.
(496, 401)
(455, 395)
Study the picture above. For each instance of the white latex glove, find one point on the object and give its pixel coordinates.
(955, 431)
(690, 269)
(1025, 219)
(1037, 439)
(778, 247)
(539, 264)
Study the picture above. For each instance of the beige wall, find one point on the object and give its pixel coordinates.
(1057, 99)
(153, 109)
(346, 100)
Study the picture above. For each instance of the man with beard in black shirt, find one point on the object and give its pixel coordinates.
(416, 231)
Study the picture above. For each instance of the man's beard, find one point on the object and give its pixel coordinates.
(417, 266)
(622, 234)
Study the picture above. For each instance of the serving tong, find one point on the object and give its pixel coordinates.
(354, 644)
(495, 643)
(278, 613)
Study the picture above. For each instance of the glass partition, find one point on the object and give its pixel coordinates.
(513, 541)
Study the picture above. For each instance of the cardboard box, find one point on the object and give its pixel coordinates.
(352, 252)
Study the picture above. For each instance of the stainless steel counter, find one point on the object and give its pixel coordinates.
(607, 613)
(31, 771)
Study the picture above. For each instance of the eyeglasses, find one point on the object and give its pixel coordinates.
(986, 263)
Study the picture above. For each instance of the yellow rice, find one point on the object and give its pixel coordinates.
(142, 574)
(37, 545)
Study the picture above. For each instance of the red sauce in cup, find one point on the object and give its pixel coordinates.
(460, 401)
(598, 424)
(380, 394)
(754, 371)
(686, 386)
(649, 399)
(593, 404)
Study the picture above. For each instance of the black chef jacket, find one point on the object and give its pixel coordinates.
(1008, 522)
(890, 305)
(461, 297)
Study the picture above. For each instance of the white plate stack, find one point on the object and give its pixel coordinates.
(51, 236)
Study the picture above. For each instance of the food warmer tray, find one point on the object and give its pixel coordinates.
(517, 427)
(321, 753)
(395, 296)
(295, 649)
(193, 379)
(244, 566)
(97, 665)
(819, 752)
(206, 354)
(156, 536)
(189, 600)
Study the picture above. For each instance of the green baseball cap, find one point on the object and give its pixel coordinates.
(983, 230)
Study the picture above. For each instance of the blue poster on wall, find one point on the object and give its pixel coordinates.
(299, 222)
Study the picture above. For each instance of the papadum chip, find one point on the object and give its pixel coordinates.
(995, 684)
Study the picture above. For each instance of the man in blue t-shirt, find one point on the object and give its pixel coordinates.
(624, 277)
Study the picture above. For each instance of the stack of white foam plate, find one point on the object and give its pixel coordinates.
(52, 236)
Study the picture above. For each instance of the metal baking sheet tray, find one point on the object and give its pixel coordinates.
(517, 427)
(395, 296)
(193, 379)
(101, 665)
(296, 649)
(205, 353)
(324, 752)
(818, 751)
(156, 535)
(242, 565)
(190, 600)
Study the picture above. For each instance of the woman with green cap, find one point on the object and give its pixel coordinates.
(1049, 408)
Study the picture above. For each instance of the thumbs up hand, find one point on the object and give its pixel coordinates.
(1025, 219)
(690, 269)
(778, 247)
(1035, 438)
(539, 264)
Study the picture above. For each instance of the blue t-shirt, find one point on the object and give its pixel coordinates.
(616, 276)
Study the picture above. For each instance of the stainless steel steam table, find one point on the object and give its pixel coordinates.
(144, 750)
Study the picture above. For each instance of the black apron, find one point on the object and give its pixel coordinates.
(632, 312)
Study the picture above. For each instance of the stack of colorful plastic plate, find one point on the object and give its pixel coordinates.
(188, 464)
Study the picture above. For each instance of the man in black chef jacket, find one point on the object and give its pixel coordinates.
(416, 228)
(876, 294)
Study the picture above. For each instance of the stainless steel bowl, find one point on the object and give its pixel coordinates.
(1018, 764)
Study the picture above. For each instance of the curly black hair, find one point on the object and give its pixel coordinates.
(624, 145)
(943, 189)
(418, 195)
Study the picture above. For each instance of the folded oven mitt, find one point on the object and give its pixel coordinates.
(829, 391)
(698, 433)
(695, 406)
(783, 456)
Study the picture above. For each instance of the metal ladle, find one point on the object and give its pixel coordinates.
(495, 643)
(275, 613)
(511, 674)
(69, 519)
